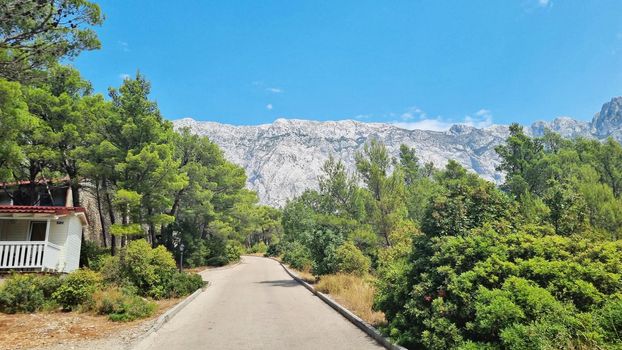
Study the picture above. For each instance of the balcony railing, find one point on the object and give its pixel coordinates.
(29, 255)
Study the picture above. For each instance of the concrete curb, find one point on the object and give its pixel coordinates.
(357, 321)
(168, 315)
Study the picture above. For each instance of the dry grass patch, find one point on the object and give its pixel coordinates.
(307, 276)
(354, 293)
(40, 330)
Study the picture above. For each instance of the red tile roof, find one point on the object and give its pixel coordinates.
(40, 209)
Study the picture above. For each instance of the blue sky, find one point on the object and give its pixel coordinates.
(418, 63)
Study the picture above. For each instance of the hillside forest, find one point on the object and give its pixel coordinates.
(460, 263)
(456, 262)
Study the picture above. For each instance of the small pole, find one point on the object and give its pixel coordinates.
(181, 263)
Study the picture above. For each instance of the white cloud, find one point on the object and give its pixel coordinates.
(124, 76)
(261, 85)
(124, 46)
(413, 113)
(275, 90)
(482, 119)
(269, 106)
(361, 116)
(545, 3)
(417, 119)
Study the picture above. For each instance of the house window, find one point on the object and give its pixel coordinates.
(37, 230)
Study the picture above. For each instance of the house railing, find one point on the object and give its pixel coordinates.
(29, 255)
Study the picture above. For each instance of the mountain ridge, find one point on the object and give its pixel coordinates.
(284, 158)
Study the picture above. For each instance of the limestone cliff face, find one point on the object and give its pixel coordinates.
(284, 158)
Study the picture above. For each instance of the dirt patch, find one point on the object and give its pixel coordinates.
(60, 330)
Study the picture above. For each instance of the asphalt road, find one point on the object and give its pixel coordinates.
(256, 305)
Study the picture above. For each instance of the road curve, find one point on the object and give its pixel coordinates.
(256, 305)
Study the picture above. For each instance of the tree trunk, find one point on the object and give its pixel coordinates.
(113, 240)
(101, 214)
(151, 233)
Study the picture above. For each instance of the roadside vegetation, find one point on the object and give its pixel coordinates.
(122, 287)
(455, 262)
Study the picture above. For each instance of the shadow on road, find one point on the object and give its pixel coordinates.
(280, 283)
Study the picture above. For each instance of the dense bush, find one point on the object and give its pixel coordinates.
(260, 248)
(76, 288)
(150, 270)
(121, 305)
(91, 253)
(323, 244)
(183, 284)
(297, 256)
(274, 249)
(199, 252)
(233, 250)
(20, 293)
(350, 259)
(526, 290)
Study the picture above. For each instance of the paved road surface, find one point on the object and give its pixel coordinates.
(256, 305)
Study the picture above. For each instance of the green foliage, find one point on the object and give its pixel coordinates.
(90, 254)
(37, 34)
(275, 249)
(77, 287)
(350, 259)
(233, 250)
(609, 319)
(148, 269)
(20, 293)
(297, 256)
(260, 248)
(15, 120)
(198, 252)
(323, 245)
(182, 284)
(466, 201)
(151, 271)
(502, 286)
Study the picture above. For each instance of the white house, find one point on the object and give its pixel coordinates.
(41, 238)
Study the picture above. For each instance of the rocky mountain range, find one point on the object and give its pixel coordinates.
(284, 158)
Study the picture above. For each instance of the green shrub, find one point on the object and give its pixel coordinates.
(48, 284)
(233, 250)
(297, 256)
(20, 293)
(77, 288)
(350, 259)
(609, 318)
(148, 269)
(198, 251)
(121, 306)
(322, 245)
(260, 248)
(274, 249)
(217, 261)
(216, 246)
(183, 284)
(91, 253)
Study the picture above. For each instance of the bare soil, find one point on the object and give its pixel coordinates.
(72, 330)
